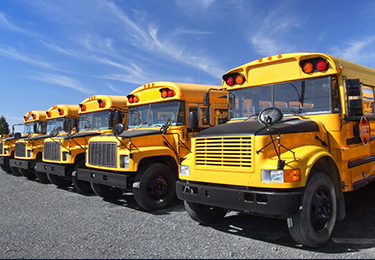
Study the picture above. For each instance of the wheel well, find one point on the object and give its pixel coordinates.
(329, 167)
(79, 157)
(167, 160)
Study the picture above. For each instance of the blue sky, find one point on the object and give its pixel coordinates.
(61, 52)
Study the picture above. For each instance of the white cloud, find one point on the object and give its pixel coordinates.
(60, 80)
(12, 53)
(271, 35)
(360, 51)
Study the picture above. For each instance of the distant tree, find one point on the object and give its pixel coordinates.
(4, 127)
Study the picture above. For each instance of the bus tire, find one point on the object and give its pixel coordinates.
(154, 186)
(83, 187)
(27, 173)
(15, 171)
(58, 180)
(106, 192)
(312, 226)
(204, 214)
(42, 176)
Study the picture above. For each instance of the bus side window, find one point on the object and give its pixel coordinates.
(368, 99)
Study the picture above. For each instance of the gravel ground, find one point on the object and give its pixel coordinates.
(43, 221)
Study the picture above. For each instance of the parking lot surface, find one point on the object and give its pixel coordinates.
(42, 221)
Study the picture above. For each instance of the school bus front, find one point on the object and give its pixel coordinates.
(295, 142)
(65, 153)
(145, 158)
(28, 148)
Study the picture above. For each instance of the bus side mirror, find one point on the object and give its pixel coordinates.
(206, 99)
(353, 87)
(193, 120)
(118, 117)
(75, 123)
(66, 125)
(222, 120)
(118, 129)
(17, 135)
(111, 116)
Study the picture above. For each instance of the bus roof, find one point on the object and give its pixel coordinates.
(35, 115)
(286, 67)
(151, 92)
(62, 111)
(101, 103)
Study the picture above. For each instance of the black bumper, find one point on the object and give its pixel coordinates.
(103, 177)
(266, 203)
(56, 169)
(22, 164)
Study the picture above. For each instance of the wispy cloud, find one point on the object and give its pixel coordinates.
(360, 51)
(270, 36)
(60, 80)
(4, 22)
(12, 53)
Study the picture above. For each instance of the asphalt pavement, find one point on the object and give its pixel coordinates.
(42, 221)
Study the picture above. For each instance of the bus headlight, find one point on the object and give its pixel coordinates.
(29, 153)
(6, 151)
(281, 176)
(65, 156)
(124, 161)
(185, 170)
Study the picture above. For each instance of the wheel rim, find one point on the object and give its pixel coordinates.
(158, 187)
(321, 210)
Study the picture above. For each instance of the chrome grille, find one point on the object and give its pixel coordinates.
(103, 154)
(224, 151)
(52, 151)
(20, 149)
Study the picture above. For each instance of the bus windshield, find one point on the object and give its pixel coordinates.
(94, 121)
(305, 96)
(56, 124)
(32, 128)
(157, 114)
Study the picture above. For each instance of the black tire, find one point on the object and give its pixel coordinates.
(16, 171)
(204, 214)
(154, 186)
(106, 192)
(83, 187)
(58, 180)
(42, 176)
(6, 167)
(312, 226)
(28, 173)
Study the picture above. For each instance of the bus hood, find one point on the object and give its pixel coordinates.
(253, 127)
(138, 133)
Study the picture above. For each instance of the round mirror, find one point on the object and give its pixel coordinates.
(270, 116)
(17, 135)
(54, 133)
(118, 129)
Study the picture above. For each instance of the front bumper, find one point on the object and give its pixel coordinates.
(56, 169)
(265, 203)
(22, 164)
(103, 177)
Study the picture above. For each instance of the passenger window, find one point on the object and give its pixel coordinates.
(368, 99)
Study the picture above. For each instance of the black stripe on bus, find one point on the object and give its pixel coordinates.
(361, 162)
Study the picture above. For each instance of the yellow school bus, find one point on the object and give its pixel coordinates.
(59, 123)
(298, 138)
(145, 158)
(64, 154)
(7, 145)
(28, 148)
